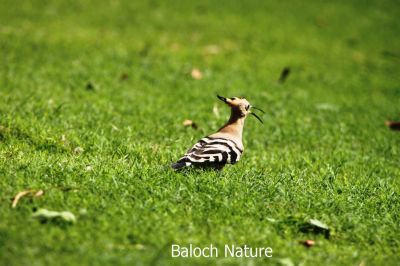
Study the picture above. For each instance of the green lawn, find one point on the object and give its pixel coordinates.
(92, 99)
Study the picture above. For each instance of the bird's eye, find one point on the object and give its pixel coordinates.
(234, 98)
(247, 107)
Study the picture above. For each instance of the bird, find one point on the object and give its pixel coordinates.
(223, 147)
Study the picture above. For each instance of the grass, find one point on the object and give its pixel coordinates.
(113, 78)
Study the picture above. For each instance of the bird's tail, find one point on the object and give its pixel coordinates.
(179, 165)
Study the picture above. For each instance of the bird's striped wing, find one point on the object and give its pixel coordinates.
(213, 151)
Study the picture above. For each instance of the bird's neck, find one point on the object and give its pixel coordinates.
(235, 124)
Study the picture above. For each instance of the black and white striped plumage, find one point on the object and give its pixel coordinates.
(211, 151)
(223, 147)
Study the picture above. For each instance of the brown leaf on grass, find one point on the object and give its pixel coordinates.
(187, 122)
(190, 123)
(18, 196)
(39, 193)
(308, 243)
(30, 193)
(123, 77)
(196, 74)
(393, 125)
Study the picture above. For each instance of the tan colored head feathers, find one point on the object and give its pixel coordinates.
(240, 106)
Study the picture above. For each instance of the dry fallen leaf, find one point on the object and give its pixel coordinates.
(30, 193)
(123, 77)
(393, 125)
(190, 123)
(187, 122)
(18, 196)
(308, 243)
(39, 193)
(196, 74)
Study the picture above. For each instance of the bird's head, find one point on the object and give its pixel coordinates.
(240, 106)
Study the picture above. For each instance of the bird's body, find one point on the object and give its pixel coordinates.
(223, 147)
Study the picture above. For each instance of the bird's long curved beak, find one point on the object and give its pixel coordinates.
(258, 118)
(222, 99)
(258, 109)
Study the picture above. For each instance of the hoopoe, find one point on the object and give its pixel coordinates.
(225, 146)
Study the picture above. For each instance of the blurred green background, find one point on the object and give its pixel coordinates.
(92, 99)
